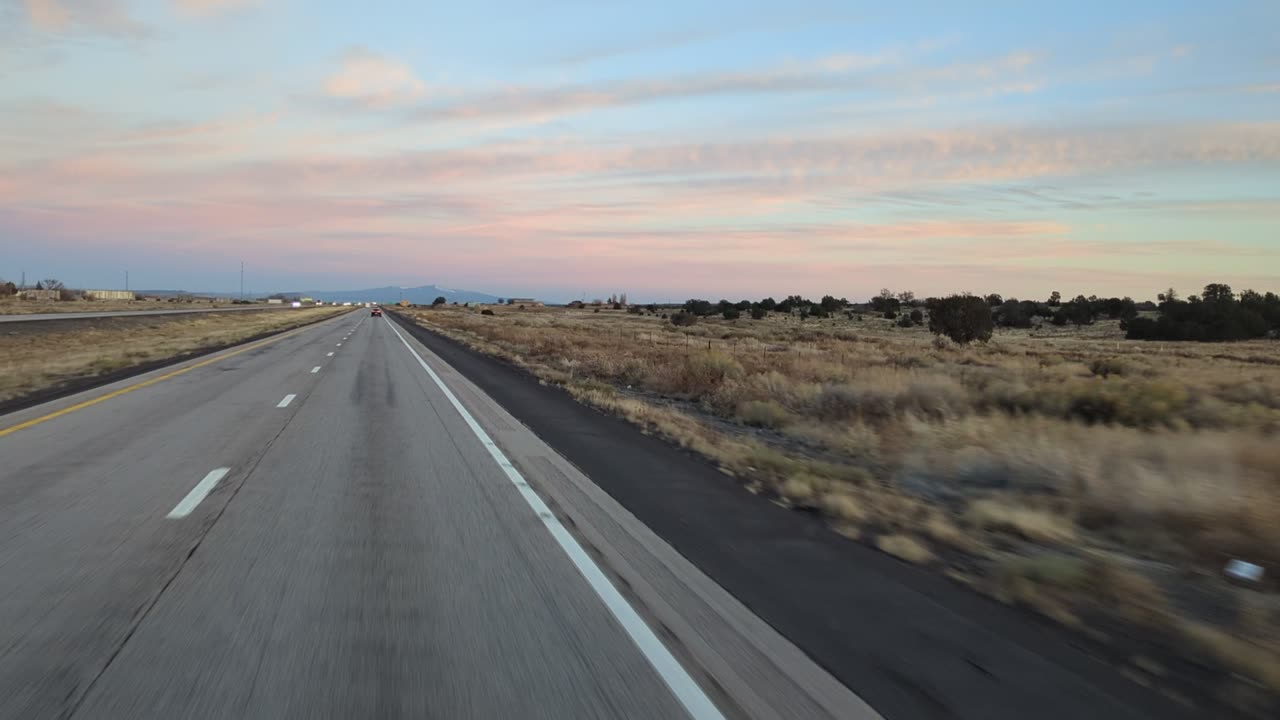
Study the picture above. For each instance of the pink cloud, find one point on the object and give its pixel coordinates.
(102, 16)
(374, 80)
(47, 14)
(212, 7)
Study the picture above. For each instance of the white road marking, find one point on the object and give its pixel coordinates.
(685, 689)
(339, 344)
(329, 355)
(198, 493)
(287, 399)
(315, 369)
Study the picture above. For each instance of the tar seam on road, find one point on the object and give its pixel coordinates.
(287, 399)
(677, 679)
(145, 383)
(197, 494)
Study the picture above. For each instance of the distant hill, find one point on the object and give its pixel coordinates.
(389, 295)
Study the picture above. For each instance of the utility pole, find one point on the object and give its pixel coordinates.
(126, 281)
(241, 279)
(24, 279)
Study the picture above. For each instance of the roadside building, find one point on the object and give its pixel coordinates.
(527, 302)
(275, 301)
(41, 294)
(110, 294)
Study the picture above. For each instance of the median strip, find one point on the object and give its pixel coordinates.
(145, 383)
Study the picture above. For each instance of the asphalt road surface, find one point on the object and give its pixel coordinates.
(35, 317)
(334, 523)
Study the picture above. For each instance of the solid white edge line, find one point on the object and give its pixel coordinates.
(678, 680)
(315, 369)
(287, 399)
(197, 494)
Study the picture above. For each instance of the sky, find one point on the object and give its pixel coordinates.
(700, 148)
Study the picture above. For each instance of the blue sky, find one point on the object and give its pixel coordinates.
(665, 149)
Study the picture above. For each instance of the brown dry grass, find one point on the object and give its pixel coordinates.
(905, 547)
(1053, 438)
(41, 355)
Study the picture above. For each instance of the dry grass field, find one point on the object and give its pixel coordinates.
(1101, 482)
(39, 355)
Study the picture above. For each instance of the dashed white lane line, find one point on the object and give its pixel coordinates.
(677, 679)
(315, 369)
(287, 399)
(198, 493)
(339, 344)
(329, 355)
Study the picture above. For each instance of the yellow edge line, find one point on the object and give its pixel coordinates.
(145, 383)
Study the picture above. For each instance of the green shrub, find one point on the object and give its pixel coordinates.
(683, 319)
(731, 313)
(963, 318)
(486, 311)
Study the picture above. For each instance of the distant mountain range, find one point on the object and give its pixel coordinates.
(389, 295)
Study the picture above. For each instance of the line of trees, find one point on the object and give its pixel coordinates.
(1216, 314)
(826, 307)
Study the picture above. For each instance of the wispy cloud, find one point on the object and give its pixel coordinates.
(374, 80)
(109, 17)
(212, 7)
(47, 14)
(664, 41)
(843, 72)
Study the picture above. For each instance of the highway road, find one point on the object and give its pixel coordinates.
(35, 317)
(335, 523)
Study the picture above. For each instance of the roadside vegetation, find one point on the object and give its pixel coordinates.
(37, 356)
(1025, 448)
